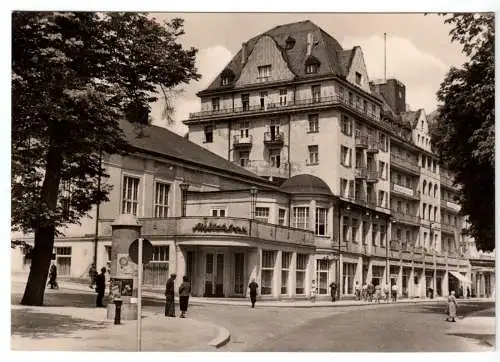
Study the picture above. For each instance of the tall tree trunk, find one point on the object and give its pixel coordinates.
(45, 232)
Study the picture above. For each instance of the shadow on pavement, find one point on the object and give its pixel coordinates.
(52, 299)
(29, 324)
(462, 309)
(484, 340)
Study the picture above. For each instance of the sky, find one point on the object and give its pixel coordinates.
(418, 49)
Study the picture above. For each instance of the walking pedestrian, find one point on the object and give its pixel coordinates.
(378, 293)
(357, 291)
(253, 292)
(394, 290)
(333, 291)
(364, 291)
(451, 307)
(184, 291)
(170, 296)
(370, 290)
(92, 276)
(100, 287)
(386, 293)
(53, 277)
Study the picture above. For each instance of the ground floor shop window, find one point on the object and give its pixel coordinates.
(377, 274)
(286, 259)
(322, 276)
(349, 269)
(301, 273)
(268, 261)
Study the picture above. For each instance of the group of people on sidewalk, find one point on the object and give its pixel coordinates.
(184, 292)
(376, 293)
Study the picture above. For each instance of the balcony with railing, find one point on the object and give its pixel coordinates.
(242, 142)
(405, 164)
(405, 192)
(372, 176)
(298, 103)
(373, 145)
(449, 229)
(268, 169)
(360, 172)
(361, 141)
(274, 139)
(404, 218)
(217, 226)
(450, 205)
(446, 181)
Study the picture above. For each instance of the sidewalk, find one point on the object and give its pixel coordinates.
(261, 303)
(86, 329)
(480, 326)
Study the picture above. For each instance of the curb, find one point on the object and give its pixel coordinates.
(222, 339)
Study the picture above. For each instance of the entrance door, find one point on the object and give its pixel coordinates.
(239, 269)
(219, 276)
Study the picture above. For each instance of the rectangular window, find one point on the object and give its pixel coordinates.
(311, 68)
(322, 276)
(264, 72)
(345, 156)
(160, 253)
(364, 231)
(245, 102)
(381, 196)
(161, 199)
(218, 212)
(358, 78)
(130, 197)
(209, 267)
(63, 251)
(346, 126)
(321, 221)
(301, 217)
(262, 214)
(345, 229)
(313, 155)
(355, 230)
(281, 216)
(286, 260)
(268, 261)
(351, 189)
(313, 123)
(381, 170)
(301, 273)
(349, 270)
(344, 192)
(215, 104)
(316, 93)
(383, 235)
(374, 234)
(244, 129)
(244, 158)
(209, 134)
(283, 97)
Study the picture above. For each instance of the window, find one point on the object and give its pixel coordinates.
(343, 188)
(281, 216)
(349, 270)
(358, 78)
(108, 253)
(263, 96)
(130, 199)
(382, 144)
(300, 276)
(422, 125)
(282, 97)
(160, 253)
(418, 139)
(351, 189)
(429, 212)
(244, 158)
(219, 212)
(365, 106)
(226, 80)
(346, 126)
(381, 198)
(63, 260)
(322, 276)
(286, 260)
(364, 231)
(425, 238)
(313, 155)
(268, 261)
(321, 221)
(209, 134)
(435, 213)
(430, 189)
(313, 123)
(355, 230)
(381, 170)
(345, 156)
(245, 102)
(435, 190)
(316, 93)
(345, 229)
(275, 158)
(424, 207)
(424, 186)
(161, 199)
(301, 217)
(215, 104)
(374, 234)
(383, 235)
(244, 129)
(312, 68)
(262, 214)
(264, 72)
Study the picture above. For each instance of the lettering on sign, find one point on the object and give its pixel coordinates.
(214, 228)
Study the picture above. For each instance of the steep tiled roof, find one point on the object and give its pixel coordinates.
(334, 60)
(164, 142)
(412, 117)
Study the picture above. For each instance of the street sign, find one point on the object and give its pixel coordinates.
(147, 251)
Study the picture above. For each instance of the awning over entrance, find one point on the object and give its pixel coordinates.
(460, 277)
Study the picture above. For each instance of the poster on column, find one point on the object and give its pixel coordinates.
(125, 266)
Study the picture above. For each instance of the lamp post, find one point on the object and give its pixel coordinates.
(253, 200)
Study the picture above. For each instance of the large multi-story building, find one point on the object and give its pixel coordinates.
(293, 101)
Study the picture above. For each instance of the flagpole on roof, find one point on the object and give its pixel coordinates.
(385, 58)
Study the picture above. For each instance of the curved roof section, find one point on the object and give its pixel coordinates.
(306, 184)
(326, 49)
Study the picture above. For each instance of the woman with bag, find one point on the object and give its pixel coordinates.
(184, 291)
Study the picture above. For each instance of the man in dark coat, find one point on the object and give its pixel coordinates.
(53, 277)
(170, 296)
(100, 287)
(253, 292)
(333, 291)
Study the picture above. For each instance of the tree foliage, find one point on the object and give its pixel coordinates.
(75, 76)
(464, 134)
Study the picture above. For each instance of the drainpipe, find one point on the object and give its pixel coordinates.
(289, 131)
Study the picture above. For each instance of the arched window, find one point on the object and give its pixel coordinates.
(430, 189)
(435, 190)
(424, 187)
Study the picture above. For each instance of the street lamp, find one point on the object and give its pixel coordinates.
(253, 201)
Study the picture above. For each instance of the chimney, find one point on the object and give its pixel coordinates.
(243, 53)
(309, 43)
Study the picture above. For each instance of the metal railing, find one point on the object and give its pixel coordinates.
(373, 145)
(361, 140)
(242, 141)
(277, 137)
(360, 172)
(405, 191)
(404, 217)
(372, 176)
(268, 169)
(405, 164)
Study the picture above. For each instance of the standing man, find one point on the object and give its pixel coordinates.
(357, 291)
(53, 277)
(333, 291)
(170, 296)
(394, 290)
(100, 287)
(253, 292)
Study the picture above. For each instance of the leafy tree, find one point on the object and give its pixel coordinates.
(464, 134)
(74, 77)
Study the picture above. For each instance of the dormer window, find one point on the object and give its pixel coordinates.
(358, 78)
(264, 72)
(225, 81)
(311, 69)
(290, 43)
(227, 77)
(312, 64)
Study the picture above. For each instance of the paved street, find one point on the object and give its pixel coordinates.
(375, 328)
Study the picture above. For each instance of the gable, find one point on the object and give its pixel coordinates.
(265, 52)
(358, 67)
